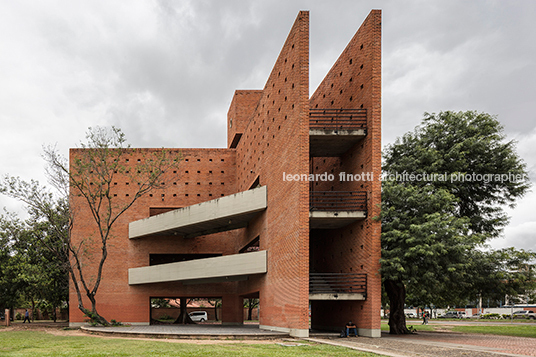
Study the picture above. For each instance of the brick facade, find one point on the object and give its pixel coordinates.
(268, 136)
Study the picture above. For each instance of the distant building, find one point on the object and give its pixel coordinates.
(285, 213)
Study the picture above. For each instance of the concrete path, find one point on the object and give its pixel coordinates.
(439, 344)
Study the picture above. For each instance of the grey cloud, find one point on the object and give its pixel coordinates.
(165, 71)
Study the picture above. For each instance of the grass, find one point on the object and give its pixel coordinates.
(506, 330)
(36, 343)
(418, 327)
(518, 330)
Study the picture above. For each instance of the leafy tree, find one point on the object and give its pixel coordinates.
(160, 303)
(483, 170)
(505, 272)
(447, 183)
(86, 183)
(424, 248)
(30, 272)
(9, 227)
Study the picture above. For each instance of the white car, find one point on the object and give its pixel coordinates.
(527, 314)
(198, 316)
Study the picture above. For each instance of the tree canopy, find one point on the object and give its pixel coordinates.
(482, 169)
(30, 274)
(88, 180)
(446, 186)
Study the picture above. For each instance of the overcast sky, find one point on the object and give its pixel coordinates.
(165, 71)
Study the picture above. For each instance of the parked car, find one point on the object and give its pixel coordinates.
(198, 316)
(411, 315)
(453, 315)
(524, 314)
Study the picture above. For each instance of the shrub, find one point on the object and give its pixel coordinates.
(92, 318)
(166, 317)
(493, 316)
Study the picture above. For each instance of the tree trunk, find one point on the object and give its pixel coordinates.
(33, 309)
(396, 291)
(184, 318)
(216, 311)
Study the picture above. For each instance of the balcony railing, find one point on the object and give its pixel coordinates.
(337, 201)
(337, 283)
(338, 119)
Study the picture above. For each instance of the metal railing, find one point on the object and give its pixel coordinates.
(337, 201)
(333, 283)
(337, 119)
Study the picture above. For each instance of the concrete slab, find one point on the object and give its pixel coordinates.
(334, 219)
(337, 296)
(326, 143)
(198, 331)
(225, 267)
(219, 215)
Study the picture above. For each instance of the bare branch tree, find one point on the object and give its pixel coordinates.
(85, 183)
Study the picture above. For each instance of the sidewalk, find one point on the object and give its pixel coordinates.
(439, 344)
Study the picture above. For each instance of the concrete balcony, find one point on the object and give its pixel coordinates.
(219, 215)
(209, 270)
(337, 286)
(332, 132)
(336, 209)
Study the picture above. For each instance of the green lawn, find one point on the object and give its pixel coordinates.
(35, 344)
(417, 326)
(520, 330)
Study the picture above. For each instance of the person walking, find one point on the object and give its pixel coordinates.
(26, 317)
(424, 318)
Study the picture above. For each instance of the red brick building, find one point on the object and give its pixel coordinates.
(285, 213)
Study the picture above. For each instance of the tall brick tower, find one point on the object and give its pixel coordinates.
(284, 214)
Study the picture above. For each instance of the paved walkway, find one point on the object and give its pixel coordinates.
(442, 344)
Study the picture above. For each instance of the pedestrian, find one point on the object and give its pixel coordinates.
(26, 317)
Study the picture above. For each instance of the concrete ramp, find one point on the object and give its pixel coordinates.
(219, 215)
(225, 268)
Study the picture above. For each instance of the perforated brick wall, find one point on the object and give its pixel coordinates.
(268, 136)
(354, 82)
